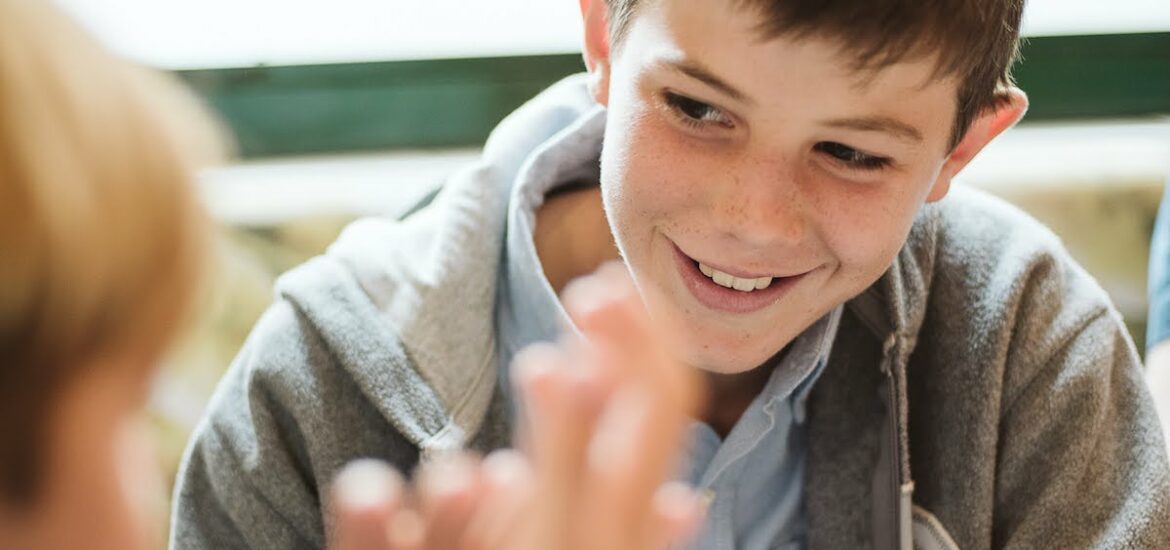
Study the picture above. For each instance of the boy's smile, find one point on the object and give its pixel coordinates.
(729, 290)
(754, 184)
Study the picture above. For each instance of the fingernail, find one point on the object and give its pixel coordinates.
(504, 468)
(367, 483)
(448, 476)
(532, 364)
(584, 295)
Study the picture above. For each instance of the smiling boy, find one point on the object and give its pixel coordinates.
(884, 366)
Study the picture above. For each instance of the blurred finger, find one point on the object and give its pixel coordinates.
(622, 476)
(507, 505)
(562, 406)
(605, 305)
(407, 530)
(627, 347)
(639, 433)
(680, 513)
(449, 490)
(638, 439)
(365, 496)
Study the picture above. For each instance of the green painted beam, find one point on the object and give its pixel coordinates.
(1118, 75)
(357, 106)
(291, 110)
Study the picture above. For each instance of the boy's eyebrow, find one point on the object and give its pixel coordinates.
(888, 125)
(894, 127)
(697, 71)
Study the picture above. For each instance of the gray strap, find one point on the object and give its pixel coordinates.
(892, 499)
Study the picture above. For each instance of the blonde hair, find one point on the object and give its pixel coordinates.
(101, 235)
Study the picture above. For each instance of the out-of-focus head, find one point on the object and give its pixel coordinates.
(103, 242)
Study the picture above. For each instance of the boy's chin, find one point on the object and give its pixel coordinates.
(727, 370)
(715, 360)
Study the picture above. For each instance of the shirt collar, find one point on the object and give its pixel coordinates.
(531, 311)
(805, 362)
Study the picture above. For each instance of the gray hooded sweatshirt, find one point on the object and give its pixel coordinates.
(982, 394)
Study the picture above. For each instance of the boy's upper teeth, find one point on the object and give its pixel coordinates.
(731, 281)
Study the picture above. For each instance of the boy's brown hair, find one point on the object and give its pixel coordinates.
(976, 41)
(101, 235)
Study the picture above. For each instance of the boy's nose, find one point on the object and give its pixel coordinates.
(761, 208)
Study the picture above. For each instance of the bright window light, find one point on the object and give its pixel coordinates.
(184, 34)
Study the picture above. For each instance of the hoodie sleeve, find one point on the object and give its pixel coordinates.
(284, 419)
(1082, 462)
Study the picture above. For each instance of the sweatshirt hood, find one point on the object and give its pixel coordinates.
(387, 295)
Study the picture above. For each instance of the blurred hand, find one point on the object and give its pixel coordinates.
(603, 420)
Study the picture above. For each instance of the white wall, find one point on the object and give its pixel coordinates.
(233, 33)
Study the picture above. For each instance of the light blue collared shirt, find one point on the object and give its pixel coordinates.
(755, 477)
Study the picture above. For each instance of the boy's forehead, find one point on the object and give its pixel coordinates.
(714, 33)
(723, 47)
(785, 77)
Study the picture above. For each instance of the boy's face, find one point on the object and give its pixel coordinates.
(759, 158)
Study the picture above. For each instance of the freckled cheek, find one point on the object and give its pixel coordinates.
(653, 172)
(866, 240)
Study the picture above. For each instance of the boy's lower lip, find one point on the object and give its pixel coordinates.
(725, 299)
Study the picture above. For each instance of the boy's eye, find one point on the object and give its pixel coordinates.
(852, 157)
(696, 113)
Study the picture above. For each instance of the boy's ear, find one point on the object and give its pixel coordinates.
(595, 15)
(1012, 105)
